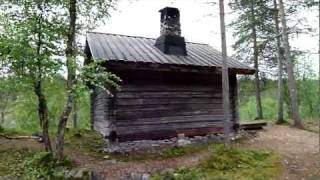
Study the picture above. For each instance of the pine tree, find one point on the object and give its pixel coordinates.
(253, 28)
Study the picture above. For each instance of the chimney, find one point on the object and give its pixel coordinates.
(170, 40)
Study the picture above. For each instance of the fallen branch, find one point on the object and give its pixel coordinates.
(4, 136)
(20, 137)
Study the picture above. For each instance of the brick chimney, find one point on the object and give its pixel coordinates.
(170, 40)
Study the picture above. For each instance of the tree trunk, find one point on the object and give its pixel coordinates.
(43, 115)
(2, 118)
(319, 71)
(289, 63)
(280, 119)
(225, 77)
(3, 106)
(256, 64)
(42, 102)
(71, 68)
(75, 114)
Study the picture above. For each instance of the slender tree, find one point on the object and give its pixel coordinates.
(280, 118)
(75, 114)
(256, 62)
(71, 70)
(81, 19)
(319, 69)
(33, 32)
(289, 65)
(252, 30)
(29, 38)
(225, 77)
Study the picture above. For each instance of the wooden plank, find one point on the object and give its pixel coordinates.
(156, 107)
(167, 112)
(177, 118)
(254, 125)
(170, 126)
(169, 88)
(161, 134)
(168, 101)
(163, 94)
(174, 124)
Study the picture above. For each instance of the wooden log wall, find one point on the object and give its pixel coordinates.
(156, 105)
(100, 113)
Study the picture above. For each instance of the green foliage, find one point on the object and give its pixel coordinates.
(307, 90)
(13, 132)
(8, 157)
(22, 163)
(37, 165)
(95, 74)
(23, 115)
(29, 38)
(231, 164)
(257, 15)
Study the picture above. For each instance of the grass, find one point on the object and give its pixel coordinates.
(86, 141)
(233, 164)
(17, 160)
(8, 156)
(13, 132)
(23, 163)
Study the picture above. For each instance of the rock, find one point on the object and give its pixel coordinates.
(111, 161)
(78, 174)
(167, 171)
(183, 142)
(135, 176)
(181, 136)
(145, 176)
(106, 157)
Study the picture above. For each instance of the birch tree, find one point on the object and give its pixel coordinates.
(31, 32)
(81, 18)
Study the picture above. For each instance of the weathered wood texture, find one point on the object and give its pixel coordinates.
(256, 125)
(155, 105)
(100, 113)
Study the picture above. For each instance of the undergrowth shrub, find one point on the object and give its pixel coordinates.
(38, 165)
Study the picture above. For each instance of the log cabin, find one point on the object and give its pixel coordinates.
(169, 86)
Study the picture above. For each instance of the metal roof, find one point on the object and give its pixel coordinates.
(114, 47)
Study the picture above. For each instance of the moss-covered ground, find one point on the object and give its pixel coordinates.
(164, 153)
(230, 164)
(25, 159)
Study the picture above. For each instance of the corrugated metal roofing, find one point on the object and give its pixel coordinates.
(115, 47)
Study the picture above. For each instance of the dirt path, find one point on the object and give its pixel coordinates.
(299, 150)
(122, 170)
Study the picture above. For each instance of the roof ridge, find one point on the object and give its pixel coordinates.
(114, 34)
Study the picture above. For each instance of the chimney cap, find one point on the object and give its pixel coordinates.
(167, 8)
